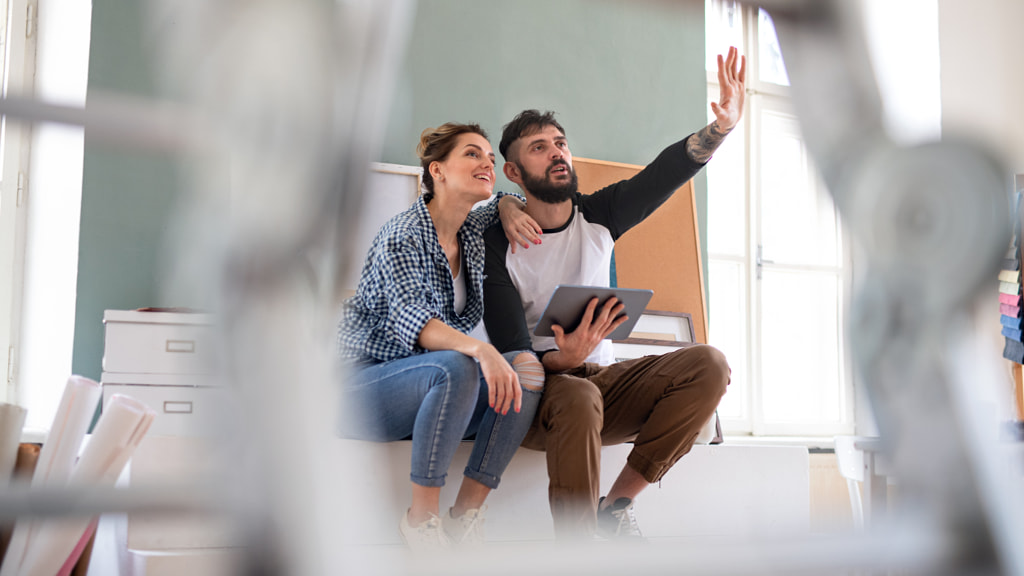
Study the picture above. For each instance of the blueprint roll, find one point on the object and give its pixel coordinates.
(122, 426)
(12, 419)
(74, 415)
(56, 459)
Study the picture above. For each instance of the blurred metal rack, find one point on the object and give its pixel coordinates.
(309, 112)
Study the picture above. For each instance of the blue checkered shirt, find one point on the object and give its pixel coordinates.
(406, 281)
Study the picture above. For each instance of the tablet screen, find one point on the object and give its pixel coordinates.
(569, 302)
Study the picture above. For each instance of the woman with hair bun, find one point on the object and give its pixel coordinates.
(413, 370)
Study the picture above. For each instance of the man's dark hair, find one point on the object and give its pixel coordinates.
(526, 123)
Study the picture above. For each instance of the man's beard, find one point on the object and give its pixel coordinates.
(544, 190)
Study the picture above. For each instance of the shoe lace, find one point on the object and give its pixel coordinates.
(431, 531)
(628, 525)
(472, 526)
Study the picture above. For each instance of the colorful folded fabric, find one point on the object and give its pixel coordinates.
(1012, 334)
(1006, 310)
(1009, 288)
(1010, 264)
(1009, 276)
(1010, 299)
(1014, 351)
(1015, 323)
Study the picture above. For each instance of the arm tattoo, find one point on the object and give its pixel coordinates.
(703, 144)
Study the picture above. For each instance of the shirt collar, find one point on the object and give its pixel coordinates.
(427, 231)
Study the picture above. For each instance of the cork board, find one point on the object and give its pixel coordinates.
(662, 253)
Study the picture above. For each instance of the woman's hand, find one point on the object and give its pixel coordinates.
(520, 228)
(503, 390)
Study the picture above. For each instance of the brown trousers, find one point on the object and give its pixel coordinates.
(660, 403)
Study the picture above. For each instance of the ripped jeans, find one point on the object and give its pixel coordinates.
(438, 399)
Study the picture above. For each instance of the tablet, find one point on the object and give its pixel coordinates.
(568, 303)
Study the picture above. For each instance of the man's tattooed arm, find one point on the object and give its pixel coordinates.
(732, 75)
(703, 144)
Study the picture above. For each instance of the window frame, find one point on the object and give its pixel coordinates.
(767, 97)
(19, 65)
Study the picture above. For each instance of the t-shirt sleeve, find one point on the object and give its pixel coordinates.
(504, 317)
(625, 204)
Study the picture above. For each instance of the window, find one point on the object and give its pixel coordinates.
(17, 24)
(775, 253)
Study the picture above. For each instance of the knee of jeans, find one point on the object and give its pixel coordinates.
(460, 372)
(529, 370)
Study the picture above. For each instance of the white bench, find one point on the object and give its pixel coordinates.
(721, 490)
(715, 491)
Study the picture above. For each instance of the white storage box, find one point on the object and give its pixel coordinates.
(180, 410)
(158, 342)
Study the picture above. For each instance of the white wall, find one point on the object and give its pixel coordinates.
(983, 90)
(903, 40)
(983, 72)
(54, 210)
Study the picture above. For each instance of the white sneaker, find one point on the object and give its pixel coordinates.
(428, 535)
(466, 530)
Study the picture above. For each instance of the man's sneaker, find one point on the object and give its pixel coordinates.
(466, 530)
(618, 521)
(428, 535)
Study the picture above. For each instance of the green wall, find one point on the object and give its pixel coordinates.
(126, 195)
(626, 78)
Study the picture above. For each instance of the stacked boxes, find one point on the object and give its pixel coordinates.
(166, 361)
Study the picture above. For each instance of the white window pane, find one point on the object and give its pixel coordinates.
(798, 218)
(727, 205)
(772, 68)
(800, 364)
(723, 27)
(727, 331)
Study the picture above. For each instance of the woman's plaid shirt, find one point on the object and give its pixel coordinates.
(406, 281)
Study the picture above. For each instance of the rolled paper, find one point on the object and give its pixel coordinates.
(12, 419)
(80, 547)
(119, 431)
(57, 458)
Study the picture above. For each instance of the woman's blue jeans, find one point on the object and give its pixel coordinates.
(437, 399)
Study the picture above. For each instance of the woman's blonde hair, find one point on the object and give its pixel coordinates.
(435, 146)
